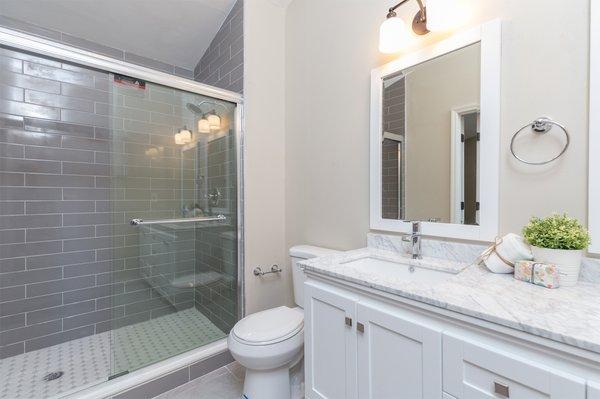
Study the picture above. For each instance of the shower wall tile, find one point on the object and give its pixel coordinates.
(59, 338)
(29, 82)
(148, 62)
(29, 28)
(56, 100)
(222, 63)
(11, 93)
(92, 46)
(60, 312)
(32, 110)
(12, 322)
(12, 293)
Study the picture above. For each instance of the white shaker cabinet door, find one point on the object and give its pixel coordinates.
(399, 357)
(477, 371)
(330, 342)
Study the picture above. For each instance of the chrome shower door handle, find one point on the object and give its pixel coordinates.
(141, 222)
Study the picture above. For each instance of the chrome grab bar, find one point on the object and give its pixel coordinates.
(141, 222)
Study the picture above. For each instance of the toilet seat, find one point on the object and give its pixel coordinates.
(269, 326)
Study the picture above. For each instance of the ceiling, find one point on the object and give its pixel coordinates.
(173, 31)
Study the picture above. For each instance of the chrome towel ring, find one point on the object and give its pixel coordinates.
(541, 126)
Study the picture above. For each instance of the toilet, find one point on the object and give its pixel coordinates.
(269, 343)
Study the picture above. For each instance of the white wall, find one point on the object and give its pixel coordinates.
(331, 46)
(308, 77)
(264, 71)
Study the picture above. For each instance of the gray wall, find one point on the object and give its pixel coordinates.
(70, 265)
(222, 64)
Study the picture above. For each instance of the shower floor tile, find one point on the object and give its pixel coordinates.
(87, 361)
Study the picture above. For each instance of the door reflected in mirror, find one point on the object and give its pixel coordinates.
(430, 140)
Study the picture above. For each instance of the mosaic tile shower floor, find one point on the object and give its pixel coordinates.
(90, 360)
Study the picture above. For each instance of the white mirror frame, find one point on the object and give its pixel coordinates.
(594, 159)
(489, 35)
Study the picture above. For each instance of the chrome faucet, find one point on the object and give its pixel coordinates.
(415, 239)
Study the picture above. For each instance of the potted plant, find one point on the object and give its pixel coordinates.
(560, 240)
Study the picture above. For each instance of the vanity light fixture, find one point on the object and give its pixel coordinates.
(437, 16)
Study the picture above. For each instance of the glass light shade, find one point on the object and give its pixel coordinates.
(183, 137)
(392, 34)
(204, 126)
(214, 121)
(442, 15)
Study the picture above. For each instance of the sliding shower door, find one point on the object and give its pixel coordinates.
(173, 210)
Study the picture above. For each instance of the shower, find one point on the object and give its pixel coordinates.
(103, 275)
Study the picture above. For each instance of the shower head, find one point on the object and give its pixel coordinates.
(194, 108)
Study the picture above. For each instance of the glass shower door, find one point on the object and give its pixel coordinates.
(174, 217)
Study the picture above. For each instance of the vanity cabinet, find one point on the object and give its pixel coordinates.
(358, 346)
(472, 371)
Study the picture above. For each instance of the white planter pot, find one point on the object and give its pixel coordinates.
(568, 262)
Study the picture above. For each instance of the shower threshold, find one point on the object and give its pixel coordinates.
(89, 361)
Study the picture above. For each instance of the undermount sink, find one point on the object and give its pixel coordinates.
(381, 268)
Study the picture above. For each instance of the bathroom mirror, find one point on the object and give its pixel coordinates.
(435, 138)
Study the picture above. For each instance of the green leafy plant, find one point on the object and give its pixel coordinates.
(556, 232)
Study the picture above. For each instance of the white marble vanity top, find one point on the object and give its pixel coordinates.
(570, 315)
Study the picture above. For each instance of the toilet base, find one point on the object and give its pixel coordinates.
(267, 384)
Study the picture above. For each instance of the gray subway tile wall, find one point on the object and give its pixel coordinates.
(70, 264)
(222, 65)
(393, 122)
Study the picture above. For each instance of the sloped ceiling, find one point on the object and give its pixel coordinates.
(173, 31)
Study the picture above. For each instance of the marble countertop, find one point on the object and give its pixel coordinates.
(570, 315)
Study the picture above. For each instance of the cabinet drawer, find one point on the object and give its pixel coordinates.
(473, 371)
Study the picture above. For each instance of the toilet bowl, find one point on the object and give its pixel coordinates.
(269, 343)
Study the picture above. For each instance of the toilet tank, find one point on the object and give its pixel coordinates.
(299, 253)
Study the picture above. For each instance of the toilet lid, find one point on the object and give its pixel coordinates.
(270, 326)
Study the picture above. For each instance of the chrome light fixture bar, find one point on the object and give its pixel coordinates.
(437, 15)
(419, 24)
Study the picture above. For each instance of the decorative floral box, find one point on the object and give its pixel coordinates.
(543, 274)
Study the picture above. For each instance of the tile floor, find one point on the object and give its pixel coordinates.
(90, 360)
(224, 383)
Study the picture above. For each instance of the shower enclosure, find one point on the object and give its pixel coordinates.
(120, 230)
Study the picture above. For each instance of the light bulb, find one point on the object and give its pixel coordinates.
(203, 125)
(214, 121)
(183, 137)
(442, 15)
(392, 33)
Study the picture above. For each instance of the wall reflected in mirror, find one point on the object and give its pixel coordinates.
(430, 140)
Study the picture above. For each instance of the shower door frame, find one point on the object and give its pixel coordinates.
(34, 44)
